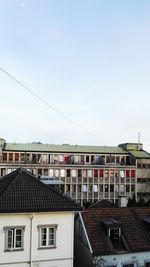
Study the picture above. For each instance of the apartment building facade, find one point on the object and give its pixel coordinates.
(142, 169)
(89, 173)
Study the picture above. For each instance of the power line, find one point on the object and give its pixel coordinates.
(47, 104)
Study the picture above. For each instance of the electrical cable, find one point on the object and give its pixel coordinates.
(47, 104)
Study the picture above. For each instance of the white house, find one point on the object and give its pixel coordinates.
(36, 223)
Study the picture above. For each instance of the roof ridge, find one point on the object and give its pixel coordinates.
(10, 184)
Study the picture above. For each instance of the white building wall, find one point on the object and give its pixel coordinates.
(138, 259)
(61, 256)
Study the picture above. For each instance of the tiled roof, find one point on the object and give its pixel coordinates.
(140, 154)
(20, 191)
(63, 148)
(142, 213)
(103, 204)
(134, 234)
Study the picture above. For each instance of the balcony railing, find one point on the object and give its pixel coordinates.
(80, 163)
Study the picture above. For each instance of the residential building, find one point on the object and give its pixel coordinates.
(36, 223)
(112, 237)
(89, 173)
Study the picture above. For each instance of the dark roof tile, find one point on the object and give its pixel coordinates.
(20, 191)
(103, 204)
(131, 228)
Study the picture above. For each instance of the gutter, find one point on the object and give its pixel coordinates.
(31, 231)
(86, 235)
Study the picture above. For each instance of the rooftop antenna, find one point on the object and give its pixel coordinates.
(139, 137)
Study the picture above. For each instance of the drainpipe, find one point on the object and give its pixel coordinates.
(31, 225)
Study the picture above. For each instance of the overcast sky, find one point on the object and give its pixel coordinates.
(88, 59)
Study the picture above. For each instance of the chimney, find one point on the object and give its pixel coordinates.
(122, 201)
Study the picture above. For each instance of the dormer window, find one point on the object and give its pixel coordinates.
(112, 228)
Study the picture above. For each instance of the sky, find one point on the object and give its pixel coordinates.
(85, 65)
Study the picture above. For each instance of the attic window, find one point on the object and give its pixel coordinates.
(112, 228)
(114, 235)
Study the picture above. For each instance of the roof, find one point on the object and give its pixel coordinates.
(143, 216)
(140, 154)
(132, 229)
(20, 191)
(65, 148)
(103, 203)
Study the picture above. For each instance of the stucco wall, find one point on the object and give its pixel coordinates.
(62, 255)
(143, 173)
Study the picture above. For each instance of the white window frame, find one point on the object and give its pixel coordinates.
(13, 231)
(47, 227)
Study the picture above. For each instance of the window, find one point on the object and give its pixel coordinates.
(55, 159)
(39, 172)
(68, 172)
(90, 173)
(106, 174)
(56, 173)
(122, 174)
(93, 159)
(14, 238)
(76, 159)
(67, 188)
(51, 173)
(128, 173)
(127, 188)
(62, 173)
(128, 265)
(132, 173)
(9, 171)
(16, 156)
(80, 173)
(147, 264)
(84, 188)
(4, 156)
(111, 188)
(87, 159)
(95, 173)
(45, 172)
(22, 157)
(66, 158)
(114, 235)
(61, 158)
(84, 173)
(73, 173)
(95, 188)
(10, 156)
(47, 236)
(101, 173)
(73, 188)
